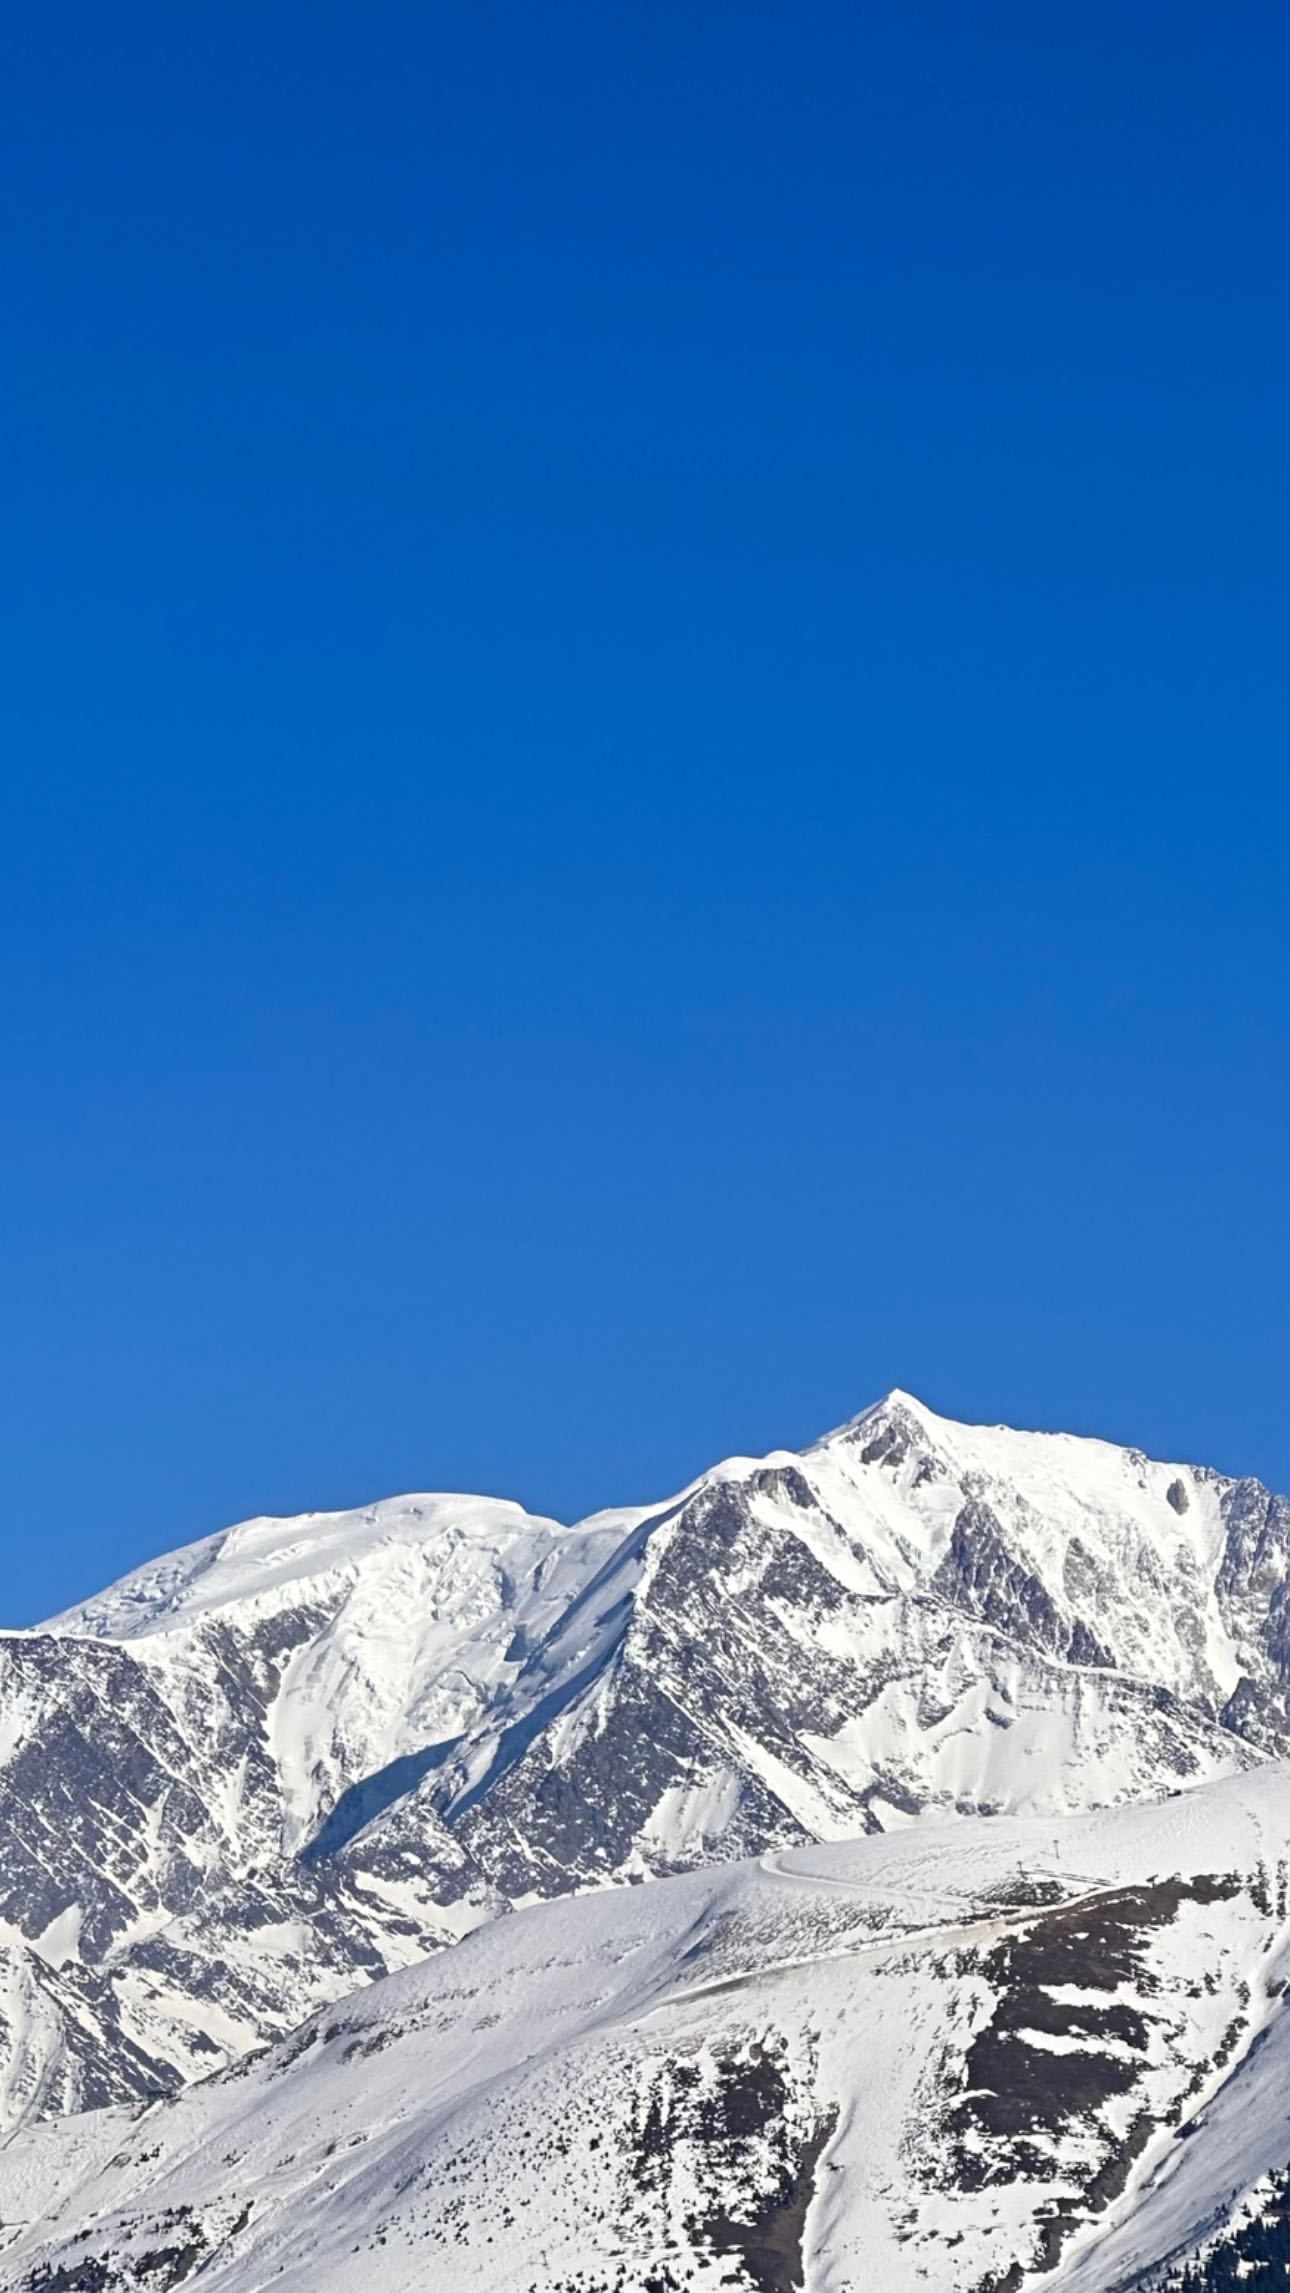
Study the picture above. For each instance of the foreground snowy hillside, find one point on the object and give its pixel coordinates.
(305, 1753)
(971, 2058)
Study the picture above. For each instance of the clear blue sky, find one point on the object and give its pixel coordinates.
(645, 704)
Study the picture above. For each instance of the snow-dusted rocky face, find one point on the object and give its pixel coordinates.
(1000, 2055)
(306, 1752)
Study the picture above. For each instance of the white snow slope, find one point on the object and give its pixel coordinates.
(1022, 2053)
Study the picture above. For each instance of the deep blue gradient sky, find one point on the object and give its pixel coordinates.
(646, 725)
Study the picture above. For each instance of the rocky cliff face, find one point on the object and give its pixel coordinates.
(301, 1754)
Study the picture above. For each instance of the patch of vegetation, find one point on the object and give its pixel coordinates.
(1247, 2259)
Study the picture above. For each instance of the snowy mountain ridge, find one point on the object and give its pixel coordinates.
(267, 1559)
(439, 1549)
(303, 1753)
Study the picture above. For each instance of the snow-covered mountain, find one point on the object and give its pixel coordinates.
(304, 1753)
(980, 2058)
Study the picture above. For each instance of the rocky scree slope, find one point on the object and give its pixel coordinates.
(305, 1753)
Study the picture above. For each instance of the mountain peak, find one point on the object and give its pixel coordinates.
(894, 1409)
